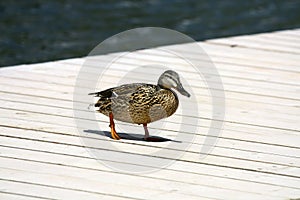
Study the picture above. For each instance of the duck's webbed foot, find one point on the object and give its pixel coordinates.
(113, 132)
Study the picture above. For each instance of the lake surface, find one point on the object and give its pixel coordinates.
(37, 31)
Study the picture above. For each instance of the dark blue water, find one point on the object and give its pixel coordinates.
(37, 30)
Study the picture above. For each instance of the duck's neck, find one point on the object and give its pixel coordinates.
(159, 86)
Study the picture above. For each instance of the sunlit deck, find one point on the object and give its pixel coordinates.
(257, 155)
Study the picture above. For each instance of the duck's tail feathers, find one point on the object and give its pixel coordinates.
(97, 94)
(104, 94)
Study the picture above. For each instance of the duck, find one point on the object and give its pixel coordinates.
(140, 103)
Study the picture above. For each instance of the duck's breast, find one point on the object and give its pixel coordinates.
(155, 105)
(165, 105)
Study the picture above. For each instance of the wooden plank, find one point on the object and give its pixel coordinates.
(252, 42)
(248, 116)
(281, 39)
(293, 34)
(175, 172)
(111, 181)
(131, 63)
(246, 107)
(18, 196)
(38, 108)
(234, 59)
(41, 190)
(199, 91)
(230, 143)
(199, 94)
(62, 68)
(221, 150)
(229, 83)
(229, 95)
(272, 39)
(190, 155)
(60, 78)
(97, 174)
(54, 103)
(36, 112)
(265, 58)
(9, 88)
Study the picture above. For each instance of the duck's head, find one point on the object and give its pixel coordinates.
(170, 79)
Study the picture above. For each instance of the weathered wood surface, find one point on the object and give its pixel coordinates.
(256, 157)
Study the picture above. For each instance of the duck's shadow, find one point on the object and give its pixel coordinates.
(132, 136)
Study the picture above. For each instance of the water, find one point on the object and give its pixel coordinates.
(37, 30)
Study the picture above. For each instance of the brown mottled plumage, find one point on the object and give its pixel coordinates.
(141, 103)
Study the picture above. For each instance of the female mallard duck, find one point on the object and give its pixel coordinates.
(141, 103)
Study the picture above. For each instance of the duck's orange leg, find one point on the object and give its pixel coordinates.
(113, 132)
(146, 137)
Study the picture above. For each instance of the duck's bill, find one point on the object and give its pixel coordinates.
(183, 91)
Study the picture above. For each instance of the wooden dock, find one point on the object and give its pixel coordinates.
(257, 155)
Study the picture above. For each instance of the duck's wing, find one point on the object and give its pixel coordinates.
(123, 90)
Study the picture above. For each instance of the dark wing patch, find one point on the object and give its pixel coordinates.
(122, 90)
(127, 89)
(103, 94)
(127, 92)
